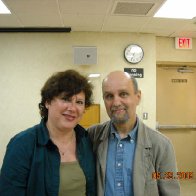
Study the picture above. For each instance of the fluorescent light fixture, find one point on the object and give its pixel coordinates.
(4, 9)
(182, 9)
(96, 75)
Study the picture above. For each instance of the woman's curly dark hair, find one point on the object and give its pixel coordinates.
(69, 82)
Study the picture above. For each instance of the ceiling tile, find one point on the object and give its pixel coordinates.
(9, 21)
(92, 15)
(84, 6)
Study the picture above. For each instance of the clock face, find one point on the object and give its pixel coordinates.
(133, 53)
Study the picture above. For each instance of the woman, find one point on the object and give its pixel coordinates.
(54, 157)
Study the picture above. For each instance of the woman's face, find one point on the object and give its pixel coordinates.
(66, 112)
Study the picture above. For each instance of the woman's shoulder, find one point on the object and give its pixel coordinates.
(25, 137)
(21, 146)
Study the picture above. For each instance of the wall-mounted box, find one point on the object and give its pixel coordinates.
(85, 55)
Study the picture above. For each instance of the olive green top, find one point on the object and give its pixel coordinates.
(72, 180)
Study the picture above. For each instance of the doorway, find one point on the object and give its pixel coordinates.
(176, 111)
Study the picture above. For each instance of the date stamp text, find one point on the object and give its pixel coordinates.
(172, 175)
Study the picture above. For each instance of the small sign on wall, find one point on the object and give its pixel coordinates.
(179, 80)
(135, 72)
(183, 43)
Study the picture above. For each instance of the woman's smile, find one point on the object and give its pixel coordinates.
(69, 117)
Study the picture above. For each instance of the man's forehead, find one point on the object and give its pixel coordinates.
(119, 87)
(116, 82)
(114, 76)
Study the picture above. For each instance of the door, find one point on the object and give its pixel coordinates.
(91, 116)
(176, 110)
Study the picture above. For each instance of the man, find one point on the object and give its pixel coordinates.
(132, 159)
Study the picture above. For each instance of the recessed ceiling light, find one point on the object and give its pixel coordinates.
(182, 9)
(4, 9)
(96, 75)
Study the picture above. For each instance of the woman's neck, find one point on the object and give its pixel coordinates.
(63, 136)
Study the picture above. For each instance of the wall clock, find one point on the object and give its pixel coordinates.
(133, 53)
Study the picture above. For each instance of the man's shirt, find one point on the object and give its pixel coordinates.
(119, 169)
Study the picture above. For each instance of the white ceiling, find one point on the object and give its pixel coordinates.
(96, 15)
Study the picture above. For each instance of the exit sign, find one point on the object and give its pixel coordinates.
(183, 43)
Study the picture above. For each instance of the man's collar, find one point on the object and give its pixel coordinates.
(131, 134)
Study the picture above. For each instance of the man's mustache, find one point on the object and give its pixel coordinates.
(115, 108)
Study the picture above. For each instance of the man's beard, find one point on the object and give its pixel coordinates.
(120, 119)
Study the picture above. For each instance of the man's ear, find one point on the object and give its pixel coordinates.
(139, 96)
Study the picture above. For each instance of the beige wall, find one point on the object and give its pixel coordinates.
(166, 52)
(28, 59)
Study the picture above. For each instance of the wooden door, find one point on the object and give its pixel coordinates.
(91, 116)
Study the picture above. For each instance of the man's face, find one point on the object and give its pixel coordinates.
(120, 98)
